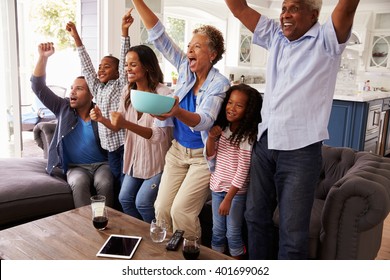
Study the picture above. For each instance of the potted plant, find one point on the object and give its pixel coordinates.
(174, 76)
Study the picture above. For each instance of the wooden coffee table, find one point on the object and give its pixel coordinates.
(71, 236)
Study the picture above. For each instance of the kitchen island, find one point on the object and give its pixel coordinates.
(360, 120)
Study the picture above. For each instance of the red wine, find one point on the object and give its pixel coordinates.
(100, 222)
(191, 252)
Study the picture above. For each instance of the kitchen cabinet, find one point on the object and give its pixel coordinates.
(240, 51)
(346, 124)
(355, 125)
(250, 54)
(379, 55)
(245, 49)
(385, 139)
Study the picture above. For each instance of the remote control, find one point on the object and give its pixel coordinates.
(173, 243)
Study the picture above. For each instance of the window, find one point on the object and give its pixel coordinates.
(9, 82)
(37, 21)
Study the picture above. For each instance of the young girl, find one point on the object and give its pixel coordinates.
(145, 144)
(230, 144)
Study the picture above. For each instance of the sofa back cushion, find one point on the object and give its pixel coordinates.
(335, 164)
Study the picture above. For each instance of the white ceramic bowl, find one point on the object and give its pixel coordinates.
(151, 103)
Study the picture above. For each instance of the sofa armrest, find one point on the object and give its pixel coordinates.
(43, 134)
(357, 205)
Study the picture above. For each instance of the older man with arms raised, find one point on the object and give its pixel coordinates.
(304, 58)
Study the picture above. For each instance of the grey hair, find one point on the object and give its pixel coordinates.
(313, 4)
(215, 40)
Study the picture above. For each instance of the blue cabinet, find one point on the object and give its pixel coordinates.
(355, 125)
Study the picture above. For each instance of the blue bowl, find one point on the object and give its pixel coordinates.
(151, 103)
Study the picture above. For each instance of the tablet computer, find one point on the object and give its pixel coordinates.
(119, 246)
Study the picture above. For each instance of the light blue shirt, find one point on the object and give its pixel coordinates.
(301, 78)
(210, 96)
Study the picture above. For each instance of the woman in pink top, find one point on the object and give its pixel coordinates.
(230, 145)
(145, 144)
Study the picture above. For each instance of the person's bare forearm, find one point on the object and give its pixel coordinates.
(40, 67)
(147, 15)
(145, 132)
(107, 123)
(236, 6)
(248, 16)
(189, 118)
(210, 146)
(231, 193)
(77, 41)
(342, 18)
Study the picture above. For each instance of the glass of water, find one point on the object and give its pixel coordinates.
(158, 230)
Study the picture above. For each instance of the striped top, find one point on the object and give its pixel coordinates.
(232, 165)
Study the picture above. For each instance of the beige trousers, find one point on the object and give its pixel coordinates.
(183, 189)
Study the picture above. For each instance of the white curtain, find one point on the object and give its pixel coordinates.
(10, 137)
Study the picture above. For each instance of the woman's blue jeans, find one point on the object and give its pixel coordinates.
(228, 228)
(137, 196)
(286, 179)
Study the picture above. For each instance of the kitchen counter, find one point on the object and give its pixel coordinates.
(359, 96)
(345, 95)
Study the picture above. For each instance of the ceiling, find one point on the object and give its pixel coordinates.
(219, 9)
(326, 4)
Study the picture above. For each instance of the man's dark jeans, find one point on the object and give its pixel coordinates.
(286, 179)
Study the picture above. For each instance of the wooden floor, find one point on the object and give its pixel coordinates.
(384, 252)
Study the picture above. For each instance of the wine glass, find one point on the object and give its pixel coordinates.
(100, 218)
(191, 247)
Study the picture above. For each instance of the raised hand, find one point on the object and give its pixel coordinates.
(46, 49)
(71, 28)
(127, 21)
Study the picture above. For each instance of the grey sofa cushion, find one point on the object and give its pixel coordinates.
(27, 192)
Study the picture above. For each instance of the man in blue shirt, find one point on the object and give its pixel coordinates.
(75, 147)
(304, 59)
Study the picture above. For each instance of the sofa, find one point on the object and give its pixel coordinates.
(28, 193)
(351, 202)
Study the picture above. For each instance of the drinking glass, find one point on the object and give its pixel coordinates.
(158, 230)
(98, 201)
(100, 218)
(191, 247)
